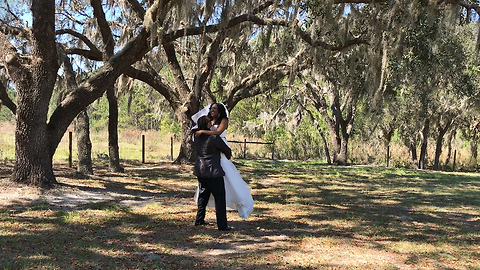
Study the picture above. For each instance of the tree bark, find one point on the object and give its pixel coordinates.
(474, 148)
(34, 77)
(319, 129)
(34, 85)
(81, 123)
(342, 156)
(109, 44)
(439, 142)
(113, 153)
(449, 149)
(423, 148)
(413, 150)
(84, 144)
(6, 100)
(187, 152)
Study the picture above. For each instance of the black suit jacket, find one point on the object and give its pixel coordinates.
(208, 149)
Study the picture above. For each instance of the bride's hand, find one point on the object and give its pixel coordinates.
(198, 133)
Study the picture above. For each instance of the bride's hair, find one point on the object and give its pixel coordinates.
(222, 112)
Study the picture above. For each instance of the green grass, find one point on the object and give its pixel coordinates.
(307, 215)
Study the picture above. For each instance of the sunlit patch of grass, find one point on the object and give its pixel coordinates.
(77, 217)
(307, 216)
(202, 237)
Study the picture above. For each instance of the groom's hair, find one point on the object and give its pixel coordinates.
(202, 122)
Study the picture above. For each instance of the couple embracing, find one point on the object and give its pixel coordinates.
(220, 185)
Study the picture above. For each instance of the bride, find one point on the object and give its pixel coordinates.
(237, 192)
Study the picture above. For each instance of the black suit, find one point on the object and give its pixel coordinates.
(210, 177)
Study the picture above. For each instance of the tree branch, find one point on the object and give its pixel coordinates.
(318, 100)
(6, 100)
(137, 7)
(359, 1)
(14, 31)
(11, 60)
(105, 30)
(96, 56)
(155, 82)
(96, 84)
(247, 87)
(82, 37)
(318, 43)
(192, 31)
(203, 79)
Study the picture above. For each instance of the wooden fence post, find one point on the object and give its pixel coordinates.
(143, 148)
(171, 148)
(244, 148)
(454, 158)
(388, 155)
(70, 163)
(273, 150)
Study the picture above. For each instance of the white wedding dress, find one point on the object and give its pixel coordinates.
(237, 192)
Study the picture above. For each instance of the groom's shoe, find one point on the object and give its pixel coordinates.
(226, 229)
(201, 223)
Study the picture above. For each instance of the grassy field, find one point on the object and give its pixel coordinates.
(307, 216)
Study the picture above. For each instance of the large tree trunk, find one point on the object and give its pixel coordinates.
(438, 151)
(449, 148)
(439, 142)
(342, 157)
(34, 77)
(423, 148)
(113, 152)
(109, 43)
(320, 131)
(474, 148)
(346, 128)
(33, 161)
(336, 146)
(34, 85)
(84, 144)
(413, 150)
(325, 147)
(81, 123)
(187, 152)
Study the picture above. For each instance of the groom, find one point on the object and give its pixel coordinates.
(210, 174)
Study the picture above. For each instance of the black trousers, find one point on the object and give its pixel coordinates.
(215, 186)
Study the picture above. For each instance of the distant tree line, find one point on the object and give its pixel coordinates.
(400, 69)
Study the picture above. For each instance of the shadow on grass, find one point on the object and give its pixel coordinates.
(120, 238)
(414, 205)
(378, 204)
(69, 240)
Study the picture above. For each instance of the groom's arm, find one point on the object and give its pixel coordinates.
(222, 146)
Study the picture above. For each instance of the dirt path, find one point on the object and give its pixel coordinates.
(74, 190)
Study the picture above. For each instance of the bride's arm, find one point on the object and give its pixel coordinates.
(221, 128)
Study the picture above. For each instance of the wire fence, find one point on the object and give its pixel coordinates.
(142, 146)
(157, 146)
